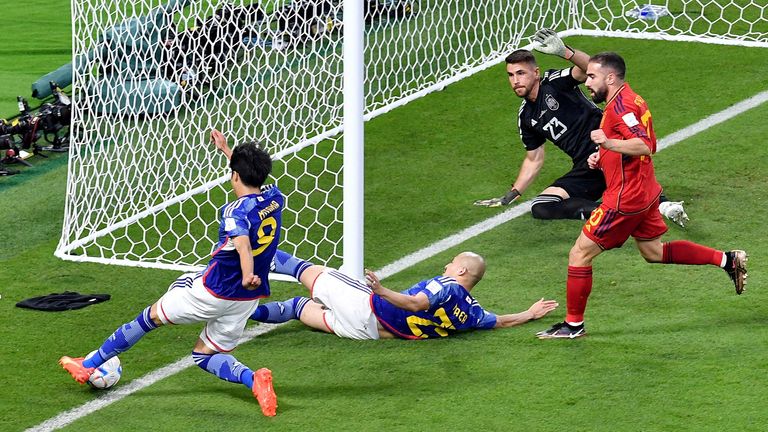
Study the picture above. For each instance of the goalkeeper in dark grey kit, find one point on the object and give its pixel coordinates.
(555, 109)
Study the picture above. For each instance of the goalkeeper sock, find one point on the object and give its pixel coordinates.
(555, 207)
(280, 312)
(122, 339)
(578, 288)
(685, 252)
(288, 264)
(225, 367)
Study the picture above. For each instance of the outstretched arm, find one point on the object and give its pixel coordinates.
(536, 311)
(549, 42)
(416, 303)
(529, 170)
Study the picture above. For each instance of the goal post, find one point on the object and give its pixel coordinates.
(152, 77)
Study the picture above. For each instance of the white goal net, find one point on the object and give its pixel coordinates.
(152, 78)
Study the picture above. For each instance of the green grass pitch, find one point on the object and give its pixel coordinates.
(671, 348)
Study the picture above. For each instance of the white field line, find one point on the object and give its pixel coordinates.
(67, 417)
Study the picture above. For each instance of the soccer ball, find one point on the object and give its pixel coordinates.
(106, 375)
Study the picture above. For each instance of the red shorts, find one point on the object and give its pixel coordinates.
(610, 229)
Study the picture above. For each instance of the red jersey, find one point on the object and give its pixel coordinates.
(630, 181)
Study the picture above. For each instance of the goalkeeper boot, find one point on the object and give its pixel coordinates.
(674, 211)
(75, 368)
(264, 392)
(562, 330)
(736, 267)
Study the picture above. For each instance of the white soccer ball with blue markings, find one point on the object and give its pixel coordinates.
(106, 375)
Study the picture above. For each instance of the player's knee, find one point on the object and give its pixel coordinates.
(541, 211)
(576, 256)
(154, 316)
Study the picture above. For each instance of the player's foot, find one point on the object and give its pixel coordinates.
(736, 267)
(562, 330)
(75, 368)
(674, 211)
(264, 392)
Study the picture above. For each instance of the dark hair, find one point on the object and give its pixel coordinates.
(521, 56)
(251, 163)
(610, 60)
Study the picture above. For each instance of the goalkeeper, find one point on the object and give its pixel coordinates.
(555, 109)
(354, 309)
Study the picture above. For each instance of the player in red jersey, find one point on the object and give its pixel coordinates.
(630, 202)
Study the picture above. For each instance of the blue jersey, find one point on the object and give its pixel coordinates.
(258, 216)
(451, 309)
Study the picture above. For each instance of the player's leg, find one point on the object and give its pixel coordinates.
(579, 281)
(228, 368)
(280, 312)
(605, 229)
(578, 287)
(218, 338)
(287, 264)
(688, 253)
(121, 339)
(313, 316)
(648, 233)
(572, 196)
(554, 203)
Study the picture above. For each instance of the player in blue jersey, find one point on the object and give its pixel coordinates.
(354, 309)
(227, 292)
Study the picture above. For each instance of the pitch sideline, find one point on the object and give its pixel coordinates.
(67, 417)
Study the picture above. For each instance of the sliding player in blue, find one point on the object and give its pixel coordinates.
(354, 309)
(227, 292)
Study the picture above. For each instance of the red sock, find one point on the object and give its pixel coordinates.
(685, 252)
(578, 287)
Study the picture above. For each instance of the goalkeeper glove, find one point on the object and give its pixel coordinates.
(507, 199)
(549, 42)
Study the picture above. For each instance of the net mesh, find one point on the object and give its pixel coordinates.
(152, 78)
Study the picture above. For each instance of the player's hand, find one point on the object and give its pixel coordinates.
(251, 281)
(548, 42)
(220, 142)
(507, 199)
(598, 137)
(372, 281)
(542, 307)
(593, 160)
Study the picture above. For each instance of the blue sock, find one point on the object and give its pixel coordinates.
(280, 312)
(288, 264)
(225, 367)
(122, 339)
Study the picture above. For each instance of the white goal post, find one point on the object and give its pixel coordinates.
(152, 77)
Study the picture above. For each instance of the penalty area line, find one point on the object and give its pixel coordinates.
(112, 396)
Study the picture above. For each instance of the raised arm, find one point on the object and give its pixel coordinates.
(220, 141)
(416, 303)
(549, 42)
(536, 311)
